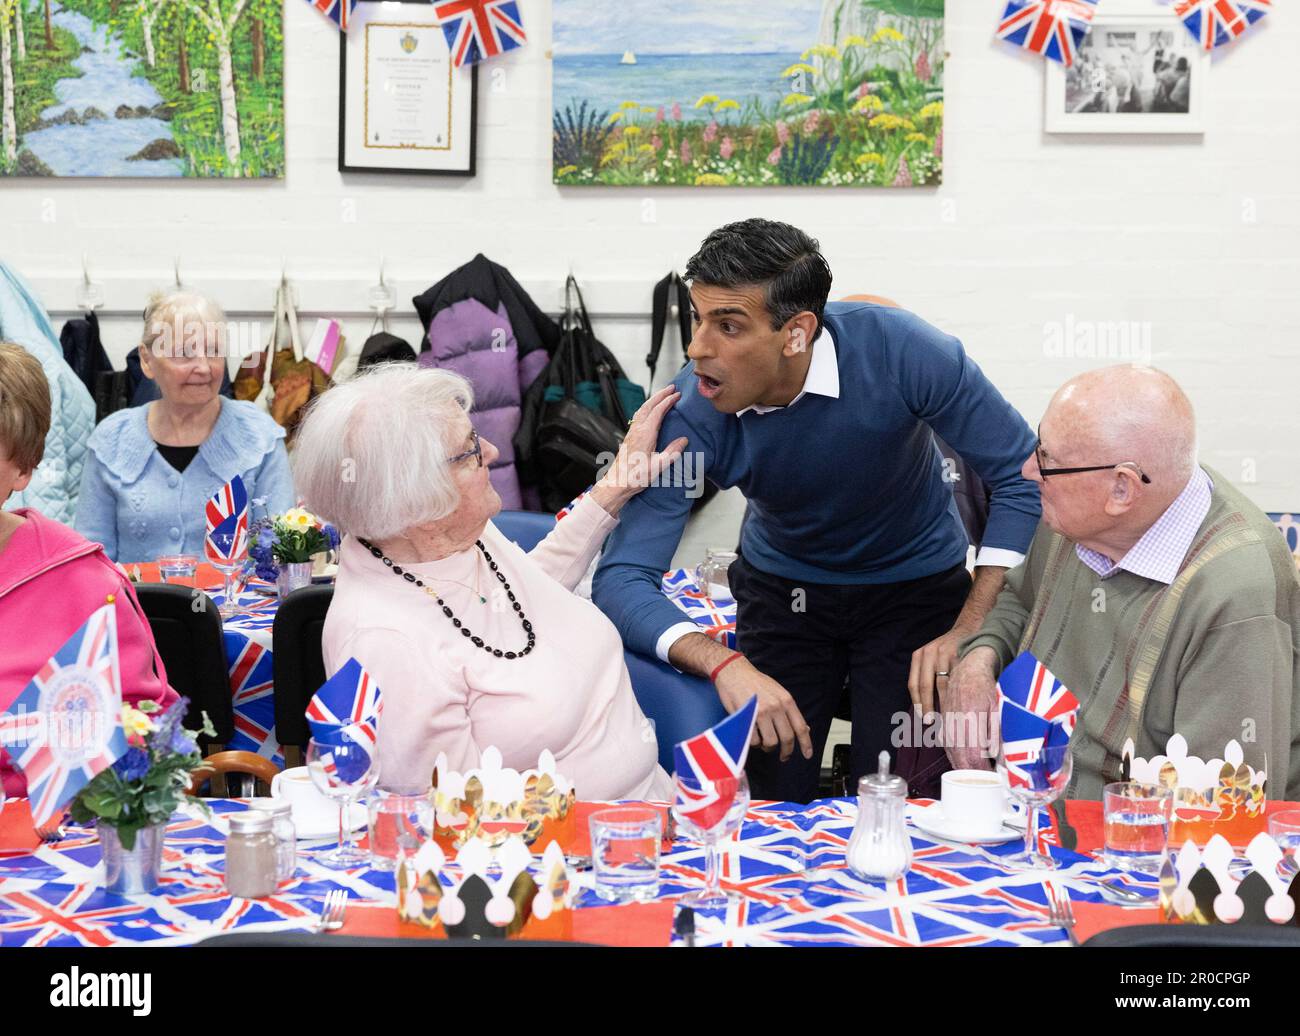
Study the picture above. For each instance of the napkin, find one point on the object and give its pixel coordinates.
(346, 708)
(1037, 712)
(709, 766)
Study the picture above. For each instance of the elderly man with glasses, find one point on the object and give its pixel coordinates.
(1161, 596)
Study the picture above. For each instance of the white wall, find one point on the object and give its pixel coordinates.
(1197, 237)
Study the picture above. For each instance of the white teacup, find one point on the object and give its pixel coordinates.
(974, 802)
(312, 811)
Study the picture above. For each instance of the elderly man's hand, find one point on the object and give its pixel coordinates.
(932, 665)
(970, 698)
(637, 464)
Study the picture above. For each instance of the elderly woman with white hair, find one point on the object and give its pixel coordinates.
(473, 642)
(150, 470)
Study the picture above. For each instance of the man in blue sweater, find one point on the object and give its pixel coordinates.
(852, 553)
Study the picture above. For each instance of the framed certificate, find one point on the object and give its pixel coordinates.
(403, 106)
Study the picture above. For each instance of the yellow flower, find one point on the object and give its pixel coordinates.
(854, 41)
(710, 180)
(870, 103)
(615, 117)
(886, 33)
(792, 99)
(933, 110)
(707, 99)
(631, 131)
(797, 67)
(728, 104)
(822, 50)
(135, 722)
(648, 111)
(565, 170)
(647, 149)
(298, 519)
(890, 121)
(610, 156)
(629, 105)
(870, 158)
(920, 137)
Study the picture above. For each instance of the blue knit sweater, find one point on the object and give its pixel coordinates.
(140, 507)
(842, 491)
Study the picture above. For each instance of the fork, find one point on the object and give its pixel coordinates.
(1060, 912)
(331, 915)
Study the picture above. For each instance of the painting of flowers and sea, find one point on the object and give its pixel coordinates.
(714, 93)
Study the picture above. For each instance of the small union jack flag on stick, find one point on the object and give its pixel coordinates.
(227, 521)
(1216, 22)
(1052, 28)
(478, 29)
(337, 11)
(65, 727)
(709, 766)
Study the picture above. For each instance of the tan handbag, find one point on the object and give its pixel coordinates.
(281, 381)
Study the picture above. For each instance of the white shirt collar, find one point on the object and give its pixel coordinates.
(822, 379)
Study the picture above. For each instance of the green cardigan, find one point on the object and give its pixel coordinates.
(1212, 656)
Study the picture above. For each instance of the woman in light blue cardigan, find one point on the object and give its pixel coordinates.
(151, 469)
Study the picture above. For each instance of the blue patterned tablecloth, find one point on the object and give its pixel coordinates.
(786, 863)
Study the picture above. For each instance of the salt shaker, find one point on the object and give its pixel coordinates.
(286, 837)
(879, 848)
(251, 855)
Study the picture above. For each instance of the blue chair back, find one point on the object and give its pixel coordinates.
(678, 704)
(526, 528)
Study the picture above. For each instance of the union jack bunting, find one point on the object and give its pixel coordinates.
(337, 11)
(1254, 10)
(478, 29)
(227, 521)
(348, 702)
(1030, 684)
(709, 766)
(1212, 22)
(65, 726)
(1052, 28)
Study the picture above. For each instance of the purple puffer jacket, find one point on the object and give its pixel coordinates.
(478, 344)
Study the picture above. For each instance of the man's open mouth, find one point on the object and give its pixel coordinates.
(709, 387)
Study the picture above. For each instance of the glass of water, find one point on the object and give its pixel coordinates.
(178, 568)
(1283, 828)
(400, 822)
(625, 852)
(1136, 819)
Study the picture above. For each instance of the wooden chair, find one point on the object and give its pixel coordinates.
(216, 768)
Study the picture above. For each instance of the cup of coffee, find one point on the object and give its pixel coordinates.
(312, 811)
(973, 802)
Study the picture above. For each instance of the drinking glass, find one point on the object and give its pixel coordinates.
(1137, 819)
(178, 568)
(342, 770)
(228, 542)
(707, 812)
(711, 573)
(400, 822)
(1283, 828)
(625, 852)
(1046, 773)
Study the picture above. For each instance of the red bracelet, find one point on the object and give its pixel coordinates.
(713, 676)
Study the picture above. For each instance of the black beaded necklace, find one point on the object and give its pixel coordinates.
(410, 577)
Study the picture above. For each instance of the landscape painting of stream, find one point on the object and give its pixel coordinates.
(717, 93)
(141, 88)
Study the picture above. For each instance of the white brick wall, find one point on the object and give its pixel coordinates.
(1199, 237)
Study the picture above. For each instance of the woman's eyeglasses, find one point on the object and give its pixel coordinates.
(475, 451)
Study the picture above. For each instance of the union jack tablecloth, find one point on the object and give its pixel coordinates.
(717, 615)
(248, 653)
(787, 864)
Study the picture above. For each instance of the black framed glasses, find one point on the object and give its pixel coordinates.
(1044, 471)
(475, 451)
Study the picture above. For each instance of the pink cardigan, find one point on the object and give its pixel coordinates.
(51, 580)
(571, 695)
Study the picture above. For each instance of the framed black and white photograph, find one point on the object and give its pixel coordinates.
(1135, 73)
(404, 107)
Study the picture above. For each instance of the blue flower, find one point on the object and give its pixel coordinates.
(331, 536)
(132, 766)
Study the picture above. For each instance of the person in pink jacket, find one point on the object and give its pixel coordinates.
(51, 579)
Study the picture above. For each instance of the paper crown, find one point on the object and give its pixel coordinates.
(493, 802)
(1197, 886)
(493, 896)
(1204, 790)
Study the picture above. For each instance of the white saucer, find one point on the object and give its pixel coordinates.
(932, 821)
(330, 829)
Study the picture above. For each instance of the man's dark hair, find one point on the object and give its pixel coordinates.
(784, 261)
